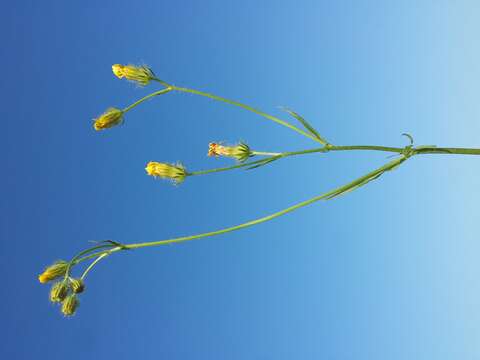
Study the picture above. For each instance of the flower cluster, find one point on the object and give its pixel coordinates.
(64, 291)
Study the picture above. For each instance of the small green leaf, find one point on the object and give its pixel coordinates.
(305, 124)
(355, 185)
(367, 178)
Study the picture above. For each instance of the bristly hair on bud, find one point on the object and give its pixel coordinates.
(77, 285)
(174, 172)
(53, 271)
(110, 118)
(140, 75)
(240, 152)
(70, 305)
(59, 291)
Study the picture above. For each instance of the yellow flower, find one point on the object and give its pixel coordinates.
(108, 119)
(138, 74)
(175, 172)
(59, 291)
(53, 271)
(118, 70)
(77, 285)
(69, 305)
(241, 152)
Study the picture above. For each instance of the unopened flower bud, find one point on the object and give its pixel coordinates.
(53, 271)
(138, 74)
(77, 285)
(108, 119)
(240, 152)
(174, 172)
(59, 291)
(69, 305)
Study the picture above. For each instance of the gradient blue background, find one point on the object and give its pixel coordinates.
(386, 272)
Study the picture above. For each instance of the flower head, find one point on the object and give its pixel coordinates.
(138, 74)
(108, 119)
(240, 152)
(69, 305)
(77, 285)
(175, 172)
(59, 291)
(53, 271)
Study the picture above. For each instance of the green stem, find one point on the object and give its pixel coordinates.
(365, 147)
(93, 264)
(329, 195)
(80, 254)
(264, 153)
(416, 151)
(251, 163)
(145, 98)
(246, 107)
(238, 166)
(333, 192)
(324, 149)
(438, 150)
(96, 254)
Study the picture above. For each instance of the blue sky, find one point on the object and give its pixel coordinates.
(389, 271)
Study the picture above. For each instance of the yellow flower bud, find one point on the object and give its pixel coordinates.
(53, 271)
(69, 305)
(240, 152)
(176, 172)
(118, 70)
(108, 119)
(138, 74)
(77, 285)
(58, 291)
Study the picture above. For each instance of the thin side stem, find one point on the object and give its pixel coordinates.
(264, 153)
(251, 163)
(80, 254)
(323, 149)
(93, 264)
(96, 254)
(145, 98)
(238, 166)
(246, 107)
(341, 189)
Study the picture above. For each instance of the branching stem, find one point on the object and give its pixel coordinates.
(403, 152)
(344, 188)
